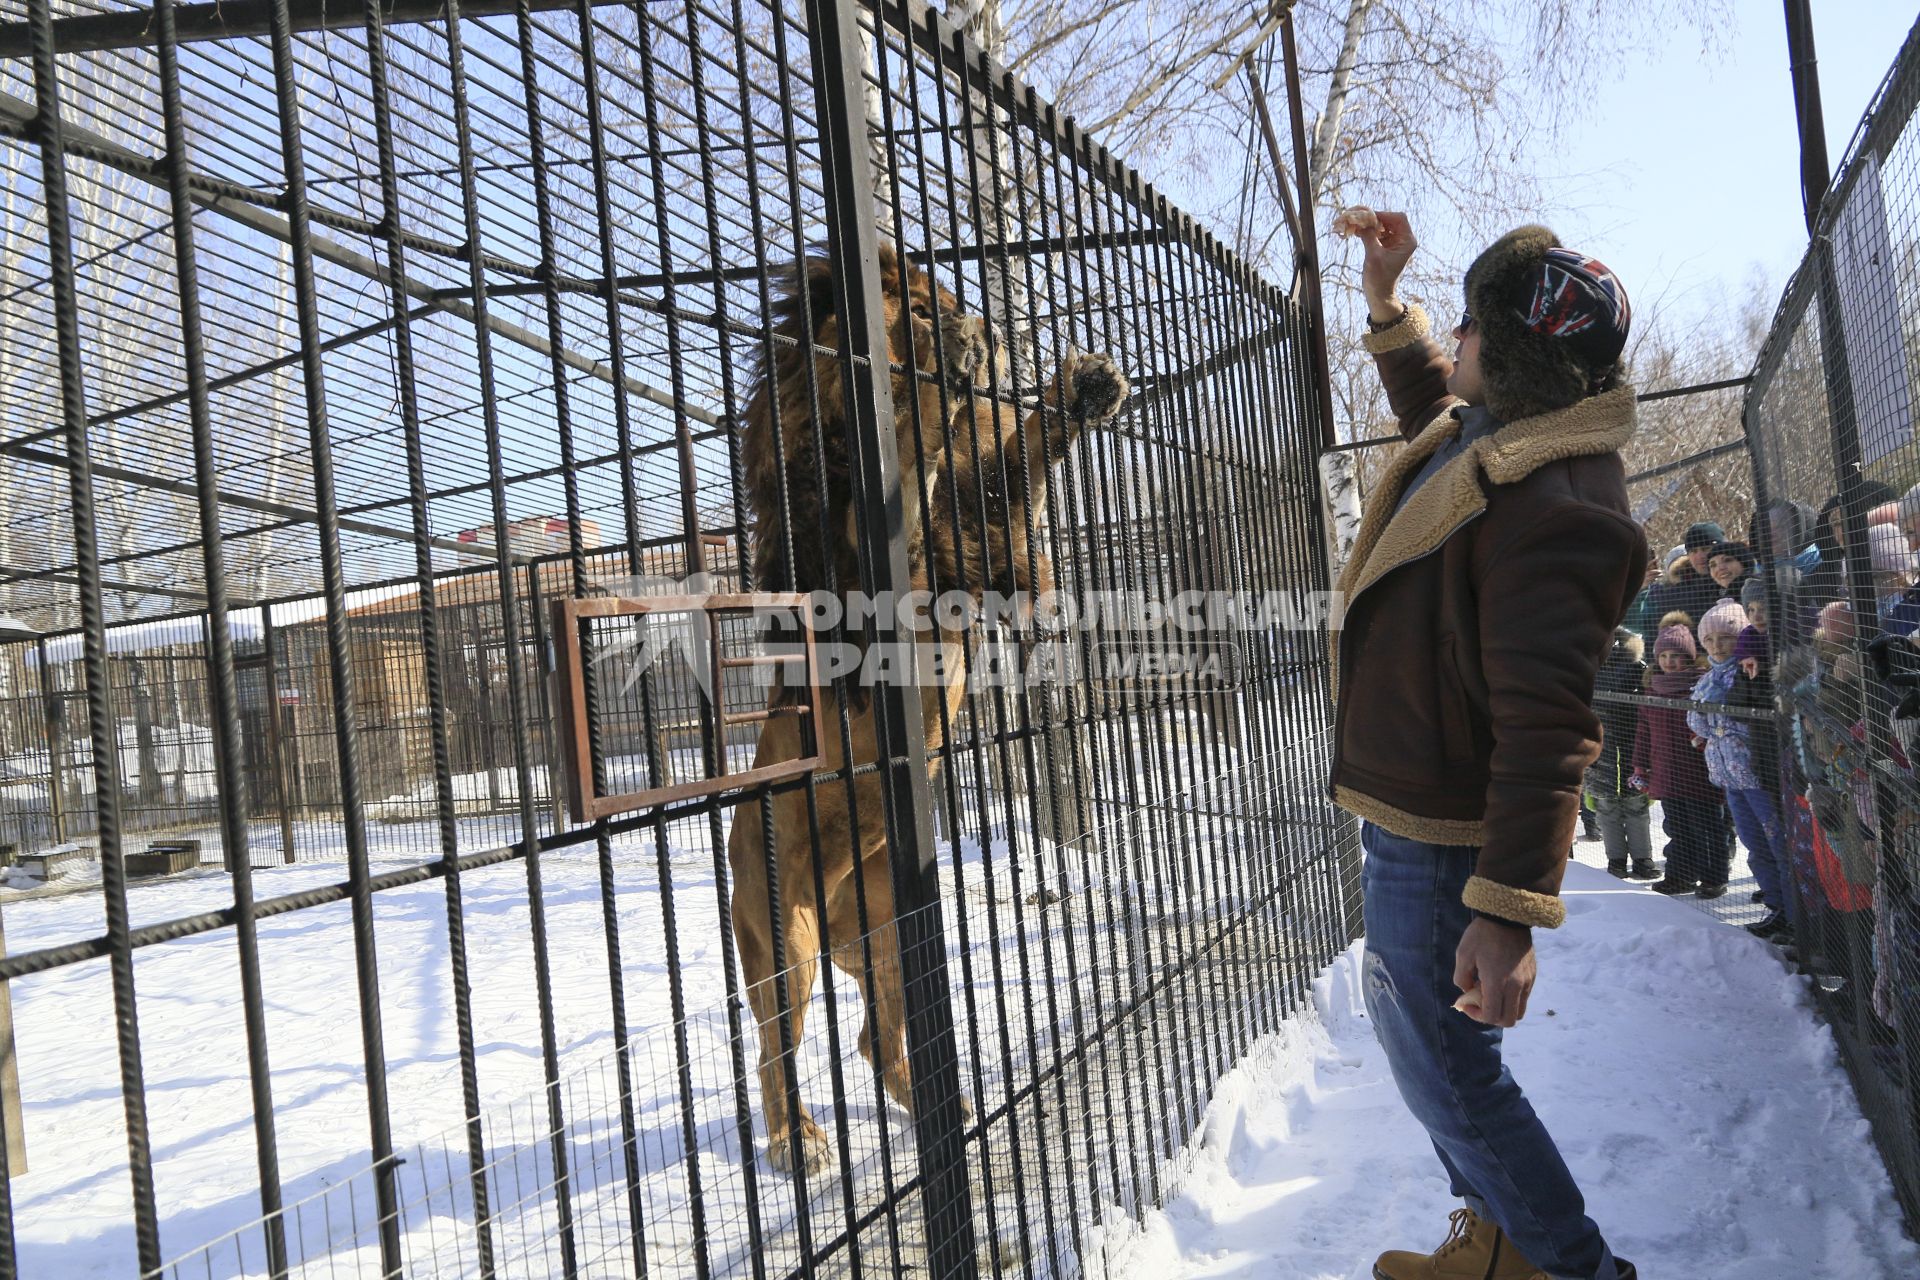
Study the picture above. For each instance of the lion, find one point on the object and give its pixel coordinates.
(978, 469)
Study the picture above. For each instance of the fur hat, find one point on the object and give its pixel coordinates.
(1552, 323)
(1676, 640)
(1724, 619)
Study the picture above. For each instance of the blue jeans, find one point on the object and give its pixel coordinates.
(1757, 818)
(1498, 1156)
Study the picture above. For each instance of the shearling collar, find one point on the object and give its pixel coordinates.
(1454, 495)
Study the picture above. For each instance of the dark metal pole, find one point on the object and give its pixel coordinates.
(1804, 67)
(1347, 830)
(946, 1195)
(1309, 245)
(224, 700)
(1264, 123)
(53, 723)
(102, 722)
(276, 757)
(1888, 797)
(340, 665)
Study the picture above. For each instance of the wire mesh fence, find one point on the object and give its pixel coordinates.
(731, 607)
(1829, 423)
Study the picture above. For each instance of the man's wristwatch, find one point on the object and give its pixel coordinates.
(1375, 326)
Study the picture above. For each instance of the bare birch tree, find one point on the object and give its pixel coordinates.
(1450, 111)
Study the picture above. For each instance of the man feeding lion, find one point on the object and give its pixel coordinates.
(1495, 558)
(975, 486)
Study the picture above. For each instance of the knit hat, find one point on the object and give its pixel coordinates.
(1738, 550)
(1755, 592)
(1704, 534)
(1552, 323)
(1790, 524)
(1909, 504)
(1676, 640)
(1750, 644)
(1888, 547)
(1873, 494)
(1678, 553)
(1724, 619)
(1836, 622)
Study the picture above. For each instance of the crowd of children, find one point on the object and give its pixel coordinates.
(1714, 770)
(1693, 725)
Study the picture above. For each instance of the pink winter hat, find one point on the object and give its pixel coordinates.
(1725, 619)
(1675, 639)
(1888, 547)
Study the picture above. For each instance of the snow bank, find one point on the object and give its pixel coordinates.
(73, 1205)
(1677, 1061)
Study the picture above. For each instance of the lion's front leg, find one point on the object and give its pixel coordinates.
(1088, 389)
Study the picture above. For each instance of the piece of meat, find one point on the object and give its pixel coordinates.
(1354, 221)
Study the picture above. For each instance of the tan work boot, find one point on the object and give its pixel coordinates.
(1477, 1250)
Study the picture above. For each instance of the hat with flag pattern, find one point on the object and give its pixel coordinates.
(1553, 323)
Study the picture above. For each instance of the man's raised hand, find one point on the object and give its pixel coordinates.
(1389, 242)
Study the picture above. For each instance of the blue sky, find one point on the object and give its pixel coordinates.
(1692, 175)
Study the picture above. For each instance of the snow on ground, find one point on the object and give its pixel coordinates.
(1306, 1167)
(1677, 1061)
(74, 1206)
(1735, 906)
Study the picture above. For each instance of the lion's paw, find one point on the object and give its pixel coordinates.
(964, 345)
(1095, 385)
(815, 1151)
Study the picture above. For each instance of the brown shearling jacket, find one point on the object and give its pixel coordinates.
(1471, 624)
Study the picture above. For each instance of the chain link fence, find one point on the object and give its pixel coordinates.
(1831, 431)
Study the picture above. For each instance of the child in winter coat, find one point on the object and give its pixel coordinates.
(1668, 767)
(1623, 813)
(1728, 746)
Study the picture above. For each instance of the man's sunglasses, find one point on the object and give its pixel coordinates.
(1467, 324)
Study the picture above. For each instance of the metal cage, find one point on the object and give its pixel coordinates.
(356, 360)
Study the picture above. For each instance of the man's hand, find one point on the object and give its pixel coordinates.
(1496, 961)
(1389, 244)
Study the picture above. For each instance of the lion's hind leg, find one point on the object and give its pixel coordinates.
(788, 1124)
(872, 960)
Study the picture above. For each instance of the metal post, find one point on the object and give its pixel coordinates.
(1336, 478)
(51, 723)
(102, 721)
(545, 682)
(853, 246)
(1804, 68)
(1848, 466)
(13, 1133)
(1309, 246)
(276, 760)
(1834, 361)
